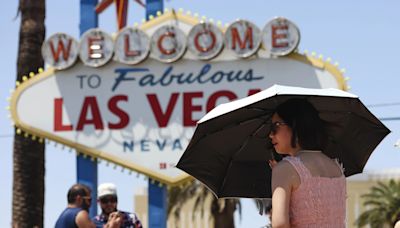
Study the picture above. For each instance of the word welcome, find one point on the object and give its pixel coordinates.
(169, 43)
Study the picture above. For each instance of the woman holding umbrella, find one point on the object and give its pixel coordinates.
(310, 127)
(308, 187)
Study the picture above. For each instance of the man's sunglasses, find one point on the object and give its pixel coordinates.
(108, 199)
(276, 125)
(87, 197)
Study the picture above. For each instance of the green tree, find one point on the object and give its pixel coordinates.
(221, 210)
(28, 161)
(383, 205)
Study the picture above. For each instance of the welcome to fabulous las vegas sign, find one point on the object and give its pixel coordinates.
(134, 98)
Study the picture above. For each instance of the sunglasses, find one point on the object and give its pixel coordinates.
(276, 125)
(108, 200)
(87, 198)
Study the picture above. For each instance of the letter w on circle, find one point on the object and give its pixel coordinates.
(60, 49)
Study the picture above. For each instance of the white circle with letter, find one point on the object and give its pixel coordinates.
(132, 46)
(96, 48)
(280, 36)
(168, 43)
(205, 41)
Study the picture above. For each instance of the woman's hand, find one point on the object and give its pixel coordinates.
(272, 163)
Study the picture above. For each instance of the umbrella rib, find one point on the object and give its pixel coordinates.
(353, 159)
(257, 109)
(240, 123)
(258, 129)
(349, 112)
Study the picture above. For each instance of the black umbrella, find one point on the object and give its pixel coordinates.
(230, 147)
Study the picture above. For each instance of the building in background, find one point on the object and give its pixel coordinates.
(361, 184)
(141, 205)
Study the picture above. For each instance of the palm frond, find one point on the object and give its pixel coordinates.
(383, 202)
(178, 196)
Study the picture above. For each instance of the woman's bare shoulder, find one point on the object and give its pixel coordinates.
(284, 174)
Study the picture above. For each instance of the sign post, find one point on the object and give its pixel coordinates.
(157, 194)
(157, 205)
(86, 169)
(153, 6)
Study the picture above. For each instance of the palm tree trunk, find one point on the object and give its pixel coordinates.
(29, 170)
(223, 216)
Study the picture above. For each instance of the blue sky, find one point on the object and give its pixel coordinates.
(363, 36)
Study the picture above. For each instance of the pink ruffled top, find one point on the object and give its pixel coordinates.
(318, 201)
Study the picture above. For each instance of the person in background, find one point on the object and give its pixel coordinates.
(308, 187)
(108, 200)
(77, 212)
(268, 212)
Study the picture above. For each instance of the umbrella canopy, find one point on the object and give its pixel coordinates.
(230, 147)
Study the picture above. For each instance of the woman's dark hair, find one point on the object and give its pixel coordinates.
(302, 117)
(77, 190)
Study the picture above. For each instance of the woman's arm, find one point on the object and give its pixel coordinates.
(282, 181)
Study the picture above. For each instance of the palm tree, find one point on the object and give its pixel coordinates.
(383, 203)
(28, 183)
(222, 210)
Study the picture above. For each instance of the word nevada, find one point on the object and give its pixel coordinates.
(169, 43)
